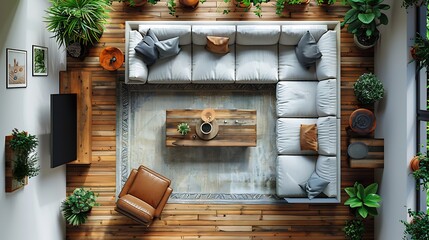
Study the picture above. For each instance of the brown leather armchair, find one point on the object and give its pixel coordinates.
(144, 195)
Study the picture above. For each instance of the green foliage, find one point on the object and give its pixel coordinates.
(368, 88)
(171, 5)
(418, 229)
(365, 200)
(25, 163)
(325, 1)
(248, 4)
(422, 174)
(183, 128)
(39, 61)
(132, 3)
(364, 17)
(280, 5)
(411, 3)
(80, 21)
(420, 52)
(354, 229)
(75, 208)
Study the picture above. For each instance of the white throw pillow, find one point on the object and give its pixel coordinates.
(326, 98)
(137, 69)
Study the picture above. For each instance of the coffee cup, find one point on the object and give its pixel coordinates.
(206, 128)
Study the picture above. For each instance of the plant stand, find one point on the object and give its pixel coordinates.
(11, 184)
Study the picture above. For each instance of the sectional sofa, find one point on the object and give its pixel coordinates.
(262, 53)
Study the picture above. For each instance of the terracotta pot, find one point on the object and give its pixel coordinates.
(240, 4)
(189, 3)
(415, 163)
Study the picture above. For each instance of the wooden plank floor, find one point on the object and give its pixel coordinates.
(214, 222)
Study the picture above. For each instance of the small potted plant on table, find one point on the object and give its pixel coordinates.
(183, 128)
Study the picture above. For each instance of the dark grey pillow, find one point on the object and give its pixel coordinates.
(146, 48)
(168, 48)
(314, 185)
(307, 51)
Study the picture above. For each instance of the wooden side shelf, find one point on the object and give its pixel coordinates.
(375, 158)
(79, 82)
(11, 184)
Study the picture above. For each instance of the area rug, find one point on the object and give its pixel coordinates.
(198, 174)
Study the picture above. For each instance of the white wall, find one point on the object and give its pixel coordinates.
(32, 212)
(396, 122)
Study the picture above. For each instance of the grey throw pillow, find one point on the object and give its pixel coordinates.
(168, 48)
(146, 48)
(314, 185)
(307, 51)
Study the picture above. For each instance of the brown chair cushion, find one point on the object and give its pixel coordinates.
(308, 137)
(136, 207)
(148, 187)
(217, 44)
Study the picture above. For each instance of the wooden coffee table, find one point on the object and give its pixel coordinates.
(237, 128)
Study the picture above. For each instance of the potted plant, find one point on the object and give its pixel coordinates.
(418, 228)
(183, 128)
(421, 172)
(247, 4)
(325, 2)
(354, 229)
(281, 4)
(364, 199)
(77, 24)
(76, 207)
(420, 52)
(368, 89)
(410, 3)
(23, 146)
(363, 19)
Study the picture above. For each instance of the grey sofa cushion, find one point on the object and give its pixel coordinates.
(307, 50)
(314, 185)
(168, 48)
(146, 48)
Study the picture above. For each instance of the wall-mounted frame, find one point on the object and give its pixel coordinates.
(40, 61)
(16, 68)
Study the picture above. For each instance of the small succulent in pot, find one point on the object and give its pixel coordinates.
(368, 89)
(183, 128)
(354, 229)
(76, 207)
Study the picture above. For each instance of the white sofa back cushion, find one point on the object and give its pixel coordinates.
(288, 135)
(326, 98)
(291, 34)
(164, 32)
(138, 70)
(290, 68)
(327, 65)
(326, 168)
(200, 33)
(291, 171)
(258, 34)
(296, 99)
(327, 135)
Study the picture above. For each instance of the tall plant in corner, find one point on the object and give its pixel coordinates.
(25, 162)
(77, 22)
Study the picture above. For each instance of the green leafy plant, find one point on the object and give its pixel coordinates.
(39, 61)
(134, 3)
(183, 128)
(418, 228)
(319, 2)
(25, 163)
(247, 4)
(363, 19)
(171, 5)
(76, 207)
(422, 174)
(420, 52)
(365, 200)
(354, 229)
(280, 5)
(77, 21)
(410, 3)
(368, 89)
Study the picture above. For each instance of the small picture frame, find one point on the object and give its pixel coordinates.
(40, 61)
(16, 68)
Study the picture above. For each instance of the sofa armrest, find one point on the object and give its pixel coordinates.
(163, 201)
(128, 183)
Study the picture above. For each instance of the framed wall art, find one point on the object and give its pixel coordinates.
(16, 68)
(40, 61)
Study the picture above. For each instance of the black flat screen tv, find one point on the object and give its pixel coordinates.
(63, 129)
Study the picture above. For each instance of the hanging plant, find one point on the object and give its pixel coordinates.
(25, 162)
